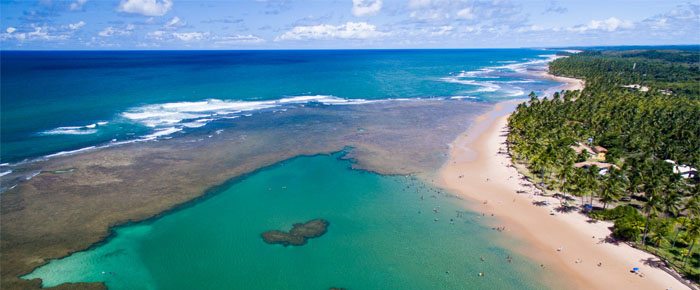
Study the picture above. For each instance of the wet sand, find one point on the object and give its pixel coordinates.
(569, 248)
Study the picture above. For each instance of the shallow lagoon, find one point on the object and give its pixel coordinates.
(382, 235)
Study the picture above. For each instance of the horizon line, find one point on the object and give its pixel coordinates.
(332, 49)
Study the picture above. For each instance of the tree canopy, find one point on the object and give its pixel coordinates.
(643, 106)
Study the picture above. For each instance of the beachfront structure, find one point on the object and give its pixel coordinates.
(600, 152)
(597, 152)
(602, 166)
(684, 170)
(637, 87)
(580, 147)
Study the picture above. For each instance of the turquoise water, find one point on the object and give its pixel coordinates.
(56, 101)
(382, 235)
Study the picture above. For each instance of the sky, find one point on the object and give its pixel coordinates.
(328, 24)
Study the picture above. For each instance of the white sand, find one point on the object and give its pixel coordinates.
(487, 177)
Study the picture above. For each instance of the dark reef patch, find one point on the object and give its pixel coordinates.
(298, 235)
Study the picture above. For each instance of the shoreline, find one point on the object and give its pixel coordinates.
(567, 245)
(570, 84)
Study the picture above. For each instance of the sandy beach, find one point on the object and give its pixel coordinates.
(570, 84)
(573, 252)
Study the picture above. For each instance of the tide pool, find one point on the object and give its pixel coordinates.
(386, 232)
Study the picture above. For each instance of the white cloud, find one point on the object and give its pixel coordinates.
(495, 12)
(443, 30)
(349, 30)
(174, 23)
(38, 33)
(158, 34)
(112, 31)
(418, 3)
(42, 32)
(610, 24)
(190, 36)
(684, 18)
(366, 7)
(555, 8)
(533, 27)
(77, 5)
(465, 13)
(165, 35)
(238, 39)
(77, 25)
(146, 7)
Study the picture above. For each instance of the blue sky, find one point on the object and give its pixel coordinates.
(281, 24)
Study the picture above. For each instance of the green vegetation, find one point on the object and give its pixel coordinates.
(644, 108)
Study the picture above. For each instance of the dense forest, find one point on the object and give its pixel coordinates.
(627, 146)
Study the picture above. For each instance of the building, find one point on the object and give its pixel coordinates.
(684, 170)
(600, 152)
(603, 168)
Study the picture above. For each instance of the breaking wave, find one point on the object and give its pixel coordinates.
(169, 118)
(75, 130)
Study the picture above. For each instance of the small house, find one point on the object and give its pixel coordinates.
(603, 168)
(600, 152)
(580, 147)
(685, 171)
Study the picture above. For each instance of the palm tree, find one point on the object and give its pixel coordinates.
(658, 232)
(680, 224)
(651, 208)
(671, 203)
(591, 181)
(692, 206)
(693, 233)
(612, 187)
(608, 194)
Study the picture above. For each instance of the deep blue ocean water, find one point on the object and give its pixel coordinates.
(53, 102)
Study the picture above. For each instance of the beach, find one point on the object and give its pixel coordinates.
(117, 186)
(573, 252)
(568, 84)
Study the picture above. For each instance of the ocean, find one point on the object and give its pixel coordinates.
(386, 231)
(57, 102)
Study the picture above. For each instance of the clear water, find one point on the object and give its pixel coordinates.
(62, 101)
(382, 235)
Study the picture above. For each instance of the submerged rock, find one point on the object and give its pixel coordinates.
(298, 235)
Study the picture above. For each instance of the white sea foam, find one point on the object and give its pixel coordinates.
(462, 97)
(160, 133)
(70, 130)
(5, 173)
(486, 86)
(75, 130)
(34, 174)
(488, 79)
(516, 93)
(168, 118)
(573, 50)
(70, 152)
(522, 66)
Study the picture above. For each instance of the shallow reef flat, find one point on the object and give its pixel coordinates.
(76, 199)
